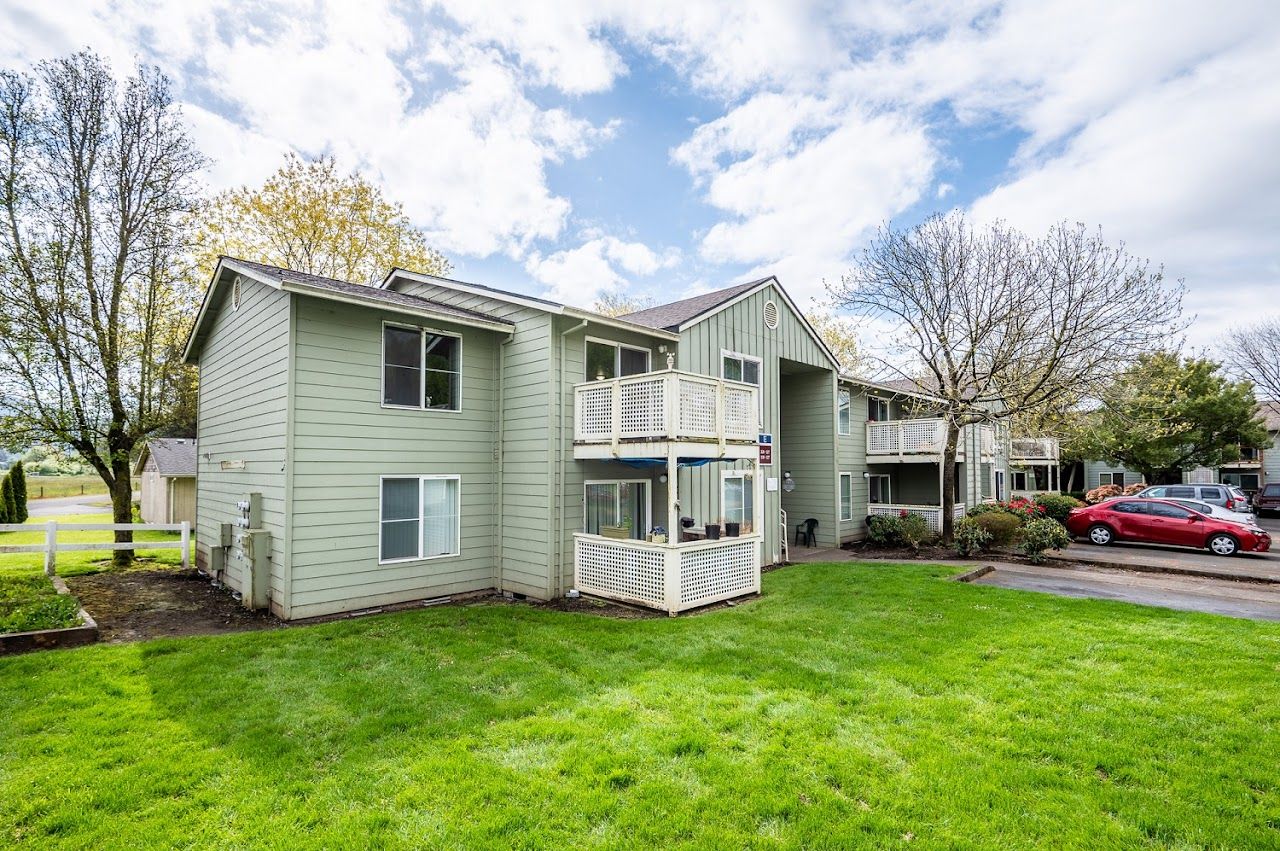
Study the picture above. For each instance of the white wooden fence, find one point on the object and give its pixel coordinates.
(51, 546)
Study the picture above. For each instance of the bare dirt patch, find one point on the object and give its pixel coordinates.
(140, 604)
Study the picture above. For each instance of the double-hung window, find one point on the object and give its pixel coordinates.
(420, 518)
(737, 498)
(421, 369)
(746, 369)
(846, 496)
(842, 412)
(607, 360)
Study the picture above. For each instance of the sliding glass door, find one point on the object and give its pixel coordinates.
(612, 506)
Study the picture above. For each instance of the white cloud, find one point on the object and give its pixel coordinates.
(580, 275)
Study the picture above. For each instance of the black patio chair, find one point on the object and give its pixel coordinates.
(807, 532)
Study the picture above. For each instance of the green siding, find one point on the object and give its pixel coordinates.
(851, 457)
(244, 378)
(806, 445)
(344, 441)
(741, 328)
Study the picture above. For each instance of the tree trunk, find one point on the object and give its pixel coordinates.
(1071, 479)
(122, 511)
(949, 481)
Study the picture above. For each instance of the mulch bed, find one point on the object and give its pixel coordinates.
(140, 604)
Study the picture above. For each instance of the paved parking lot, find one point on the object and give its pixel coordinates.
(1170, 591)
(1262, 566)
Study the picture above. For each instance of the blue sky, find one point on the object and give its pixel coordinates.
(569, 148)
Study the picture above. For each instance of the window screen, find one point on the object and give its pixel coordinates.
(846, 496)
(842, 411)
(400, 518)
(401, 367)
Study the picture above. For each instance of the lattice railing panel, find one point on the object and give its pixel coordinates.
(986, 440)
(1034, 447)
(922, 436)
(741, 413)
(595, 412)
(711, 573)
(697, 408)
(931, 513)
(882, 438)
(643, 408)
(620, 572)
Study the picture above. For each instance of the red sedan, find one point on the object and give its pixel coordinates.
(1159, 521)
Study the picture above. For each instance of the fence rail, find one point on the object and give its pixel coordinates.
(52, 546)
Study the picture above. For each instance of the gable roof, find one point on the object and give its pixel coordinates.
(175, 456)
(1270, 413)
(331, 289)
(672, 316)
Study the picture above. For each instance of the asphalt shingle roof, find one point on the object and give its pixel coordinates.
(174, 456)
(390, 297)
(670, 317)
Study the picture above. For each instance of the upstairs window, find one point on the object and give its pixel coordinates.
(877, 410)
(746, 369)
(842, 411)
(420, 369)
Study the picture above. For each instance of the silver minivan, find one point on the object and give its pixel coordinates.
(1226, 496)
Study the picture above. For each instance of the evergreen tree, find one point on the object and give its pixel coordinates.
(19, 477)
(8, 509)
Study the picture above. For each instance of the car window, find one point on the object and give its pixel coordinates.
(1271, 490)
(1182, 493)
(1202, 507)
(1210, 493)
(1130, 507)
(1155, 492)
(1163, 509)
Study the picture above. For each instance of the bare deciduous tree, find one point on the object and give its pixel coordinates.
(1254, 353)
(95, 182)
(620, 304)
(996, 326)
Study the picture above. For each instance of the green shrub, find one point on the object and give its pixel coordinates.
(19, 477)
(1001, 527)
(1077, 495)
(884, 530)
(55, 612)
(914, 531)
(1057, 505)
(969, 537)
(1043, 534)
(987, 508)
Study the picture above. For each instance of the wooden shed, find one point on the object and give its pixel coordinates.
(167, 467)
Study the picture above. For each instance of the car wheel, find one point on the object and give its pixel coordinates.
(1224, 545)
(1100, 535)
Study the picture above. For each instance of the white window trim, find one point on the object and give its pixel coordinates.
(648, 502)
(421, 518)
(848, 405)
(423, 331)
(725, 475)
(888, 410)
(1111, 476)
(1013, 480)
(840, 497)
(888, 487)
(759, 362)
(617, 355)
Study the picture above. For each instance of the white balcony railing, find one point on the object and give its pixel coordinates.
(665, 405)
(669, 577)
(1033, 449)
(931, 513)
(923, 437)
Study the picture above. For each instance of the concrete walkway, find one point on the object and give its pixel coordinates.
(1166, 590)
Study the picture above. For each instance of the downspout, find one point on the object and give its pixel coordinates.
(499, 453)
(560, 495)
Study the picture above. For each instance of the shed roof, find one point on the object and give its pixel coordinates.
(174, 456)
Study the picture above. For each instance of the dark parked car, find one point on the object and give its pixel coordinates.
(1159, 521)
(1267, 500)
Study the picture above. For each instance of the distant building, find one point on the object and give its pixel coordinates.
(167, 466)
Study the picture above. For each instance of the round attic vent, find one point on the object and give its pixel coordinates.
(235, 292)
(771, 314)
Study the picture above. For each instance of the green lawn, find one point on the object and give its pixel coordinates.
(27, 598)
(43, 487)
(853, 705)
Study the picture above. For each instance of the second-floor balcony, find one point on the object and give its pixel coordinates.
(922, 440)
(641, 416)
(1033, 449)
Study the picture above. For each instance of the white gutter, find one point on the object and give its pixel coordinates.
(560, 496)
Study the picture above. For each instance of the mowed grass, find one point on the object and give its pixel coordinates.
(27, 598)
(854, 705)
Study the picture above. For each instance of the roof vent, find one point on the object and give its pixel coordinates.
(771, 314)
(235, 293)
